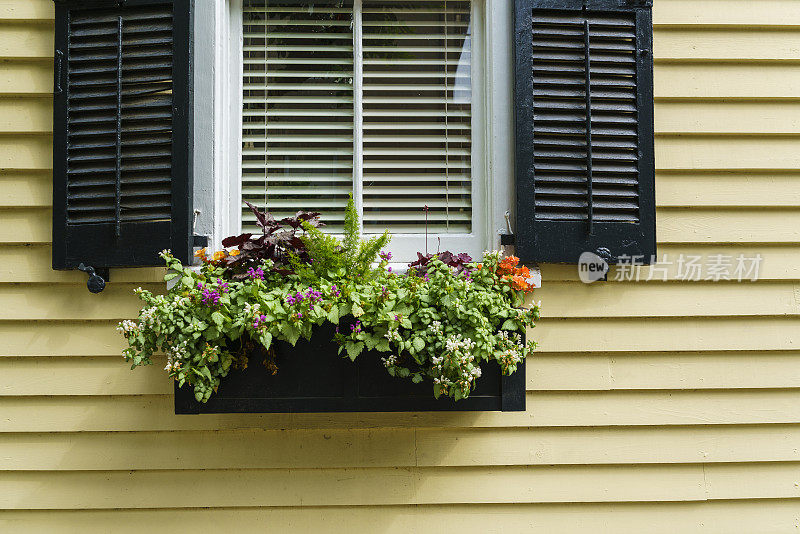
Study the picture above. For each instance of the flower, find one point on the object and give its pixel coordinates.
(200, 254)
(335, 291)
(219, 255)
(386, 256)
(234, 252)
(256, 274)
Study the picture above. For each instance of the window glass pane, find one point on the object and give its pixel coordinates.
(297, 133)
(417, 116)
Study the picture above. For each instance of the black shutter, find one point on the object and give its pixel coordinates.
(122, 139)
(584, 129)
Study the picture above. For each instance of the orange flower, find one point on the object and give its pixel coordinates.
(200, 254)
(519, 283)
(235, 252)
(218, 255)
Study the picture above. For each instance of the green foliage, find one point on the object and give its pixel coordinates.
(350, 258)
(438, 328)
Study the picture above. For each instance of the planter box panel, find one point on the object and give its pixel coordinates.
(312, 377)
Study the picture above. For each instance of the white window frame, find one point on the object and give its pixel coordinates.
(218, 126)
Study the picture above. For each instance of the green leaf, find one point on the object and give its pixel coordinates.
(333, 315)
(353, 349)
(218, 318)
(170, 276)
(417, 378)
(509, 324)
(419, 344)
(358, 311)
(382, 345)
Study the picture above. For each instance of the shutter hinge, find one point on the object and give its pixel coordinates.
(97, 278)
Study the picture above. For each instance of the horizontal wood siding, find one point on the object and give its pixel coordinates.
(653, 406)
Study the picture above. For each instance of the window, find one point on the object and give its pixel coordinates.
(373, 98)
(529, 116)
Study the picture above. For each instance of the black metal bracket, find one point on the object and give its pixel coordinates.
(200, 241)
(97, 277)
(507, 239)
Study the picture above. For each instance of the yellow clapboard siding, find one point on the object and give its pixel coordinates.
(669, 370)
(26, 190)
(22, 10)
(380, 486)
(70, 302)
(727, 118)
(554, 446)
(391, 447)
(148, 489)
(74, 338)
(26, 153)
(545, 409)
(26, 115)
(725, 152)
(667, 334)
(613, 518)
(657, 299)
(26, 78)
(545, 372)
(728, 190)
(745, 13)
(717, 80)
(739, 45)
(27, 225)
(716, 225)
(19, 40)
(781, 262)
(712, 517)
(33, 264)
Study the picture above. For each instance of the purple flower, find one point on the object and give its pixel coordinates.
(396, 317)
(355, 328)
(257, 273)
(290, 300)
(390, 269)
(385, 255)
(260, 320)
(210, 297)
(299, 315)
(223, 285)
(335, 291)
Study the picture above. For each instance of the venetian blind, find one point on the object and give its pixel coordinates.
(297, 118)
(301, 106)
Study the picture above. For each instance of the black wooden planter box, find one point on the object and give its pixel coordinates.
(312, 377)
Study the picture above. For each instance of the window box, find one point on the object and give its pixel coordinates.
(313, 377)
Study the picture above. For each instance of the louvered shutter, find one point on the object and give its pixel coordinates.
(584, 129)
(122, 153)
